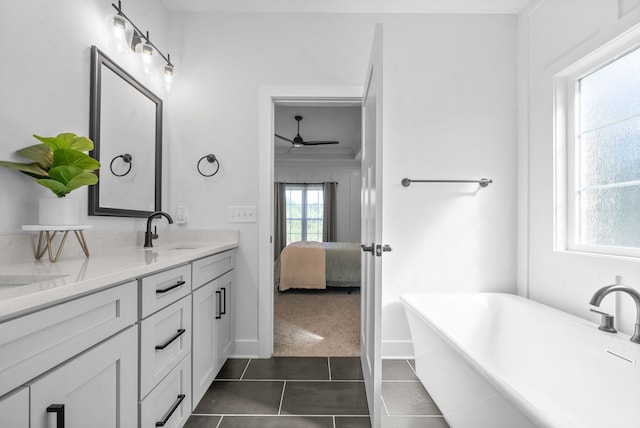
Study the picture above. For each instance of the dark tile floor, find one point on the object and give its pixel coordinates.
(406, 404)
(313, 392)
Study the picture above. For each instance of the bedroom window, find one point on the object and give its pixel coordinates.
(304, 211)
(603, 154)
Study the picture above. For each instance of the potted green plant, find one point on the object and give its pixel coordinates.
(59, 164)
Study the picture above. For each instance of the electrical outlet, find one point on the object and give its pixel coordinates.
(246, 214)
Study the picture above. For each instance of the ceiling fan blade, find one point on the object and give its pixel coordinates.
(319, 143)
(283, 138)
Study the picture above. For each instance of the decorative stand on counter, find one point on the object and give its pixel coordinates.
(49, 233)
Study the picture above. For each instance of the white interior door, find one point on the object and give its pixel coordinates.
(370, 342)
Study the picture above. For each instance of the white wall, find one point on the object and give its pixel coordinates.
(554, 35)
(44, 82)
(450, 87)
(226, 59)
(449, 113)
(346, 174)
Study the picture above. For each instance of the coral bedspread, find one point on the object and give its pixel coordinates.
(318, 265)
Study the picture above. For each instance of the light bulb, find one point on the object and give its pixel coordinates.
(119, 27)
(168, 73)
(147, 51)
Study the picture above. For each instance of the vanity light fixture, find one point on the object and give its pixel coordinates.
(140, 42)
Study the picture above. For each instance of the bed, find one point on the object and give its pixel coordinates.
(318, 265)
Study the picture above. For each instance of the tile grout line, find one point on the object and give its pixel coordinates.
(284, 385)
(245, 369)
(334, 421)
(384, 404)
(220, 422)
(329, 366)
(411, 367)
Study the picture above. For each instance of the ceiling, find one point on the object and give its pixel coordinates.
(319, 123)
(349, 6)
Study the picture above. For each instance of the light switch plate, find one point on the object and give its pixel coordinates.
(182, 214)
(245, 214)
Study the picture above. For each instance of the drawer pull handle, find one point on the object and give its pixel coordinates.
(58, 409)
(168, 342)
(173, 408)
(224, 301)
(218, 305)
(176, 285)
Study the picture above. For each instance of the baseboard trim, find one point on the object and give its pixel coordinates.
(245, 349)
(397, 349)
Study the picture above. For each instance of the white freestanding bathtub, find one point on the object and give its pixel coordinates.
(493, 360)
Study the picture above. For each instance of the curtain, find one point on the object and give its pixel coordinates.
(330, 215)
(280, 218)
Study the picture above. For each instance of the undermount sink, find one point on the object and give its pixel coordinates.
(18, 280)
(184, 247)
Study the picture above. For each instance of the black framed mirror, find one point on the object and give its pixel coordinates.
(126, 129)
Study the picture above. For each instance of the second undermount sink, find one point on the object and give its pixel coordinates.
(7, 281)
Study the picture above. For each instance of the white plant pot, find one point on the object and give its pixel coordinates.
(59, 211)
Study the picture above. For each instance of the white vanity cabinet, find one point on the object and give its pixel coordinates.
(120, 354)
(81, 354)
(212, 318)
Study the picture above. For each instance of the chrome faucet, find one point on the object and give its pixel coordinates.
(150, 236)
(635, 295)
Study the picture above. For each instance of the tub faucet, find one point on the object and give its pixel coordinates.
(150, 236)
(601, 293)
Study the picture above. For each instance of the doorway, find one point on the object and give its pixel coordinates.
(269, 98)
(317, 215)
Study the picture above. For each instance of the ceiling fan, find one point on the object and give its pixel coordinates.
(299, 142)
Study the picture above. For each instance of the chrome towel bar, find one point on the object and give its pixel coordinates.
(483, 182)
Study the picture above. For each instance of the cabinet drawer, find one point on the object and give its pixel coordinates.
(164, 288)
(14, 409)
(32, 344)
(165, 338)
(208, 268)
(170, 401)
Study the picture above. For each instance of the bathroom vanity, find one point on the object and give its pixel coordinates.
(131, 337)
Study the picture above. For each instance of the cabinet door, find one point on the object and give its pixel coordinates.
(225, 323)
(14, 409)
(97, 388)
(204, 347)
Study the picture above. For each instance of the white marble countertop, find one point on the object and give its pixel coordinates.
(72, 278)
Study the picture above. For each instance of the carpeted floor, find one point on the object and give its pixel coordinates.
(317, 323)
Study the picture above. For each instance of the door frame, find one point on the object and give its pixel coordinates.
(268, 98)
